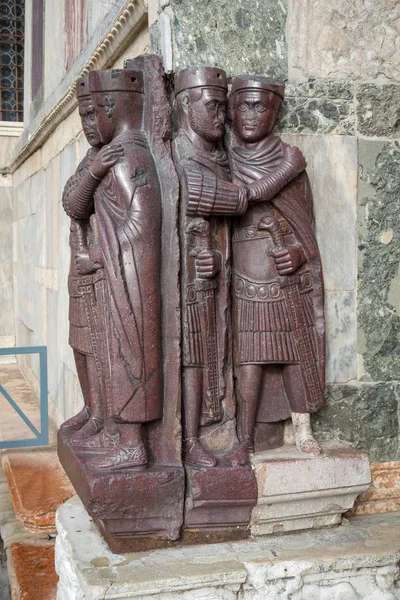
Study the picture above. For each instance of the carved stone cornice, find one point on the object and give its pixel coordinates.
(125, 27)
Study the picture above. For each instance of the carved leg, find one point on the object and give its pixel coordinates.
(305, 441)
(194, 453)
(78, 421)
(95, 424)
(249, 382)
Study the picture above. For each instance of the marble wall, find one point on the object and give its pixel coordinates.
(341, 66)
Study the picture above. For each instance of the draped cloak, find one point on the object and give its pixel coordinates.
(128, 211)
(293, 208)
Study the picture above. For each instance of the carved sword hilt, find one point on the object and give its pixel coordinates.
(201, 229)
(272, 225)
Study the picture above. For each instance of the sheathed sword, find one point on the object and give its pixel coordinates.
(290, 287)
(212, 411)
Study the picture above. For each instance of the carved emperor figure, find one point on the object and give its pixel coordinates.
(86, 276)
(207, 195)
(128, 214)
(277, 279)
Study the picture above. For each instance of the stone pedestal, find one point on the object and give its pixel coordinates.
(146, 510)
(296, 492)
(219, 502)
(357, 561)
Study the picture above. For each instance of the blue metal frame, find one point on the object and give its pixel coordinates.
(41, 438)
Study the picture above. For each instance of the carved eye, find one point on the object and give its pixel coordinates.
(242, 107)
(212, 104)
(260, 107)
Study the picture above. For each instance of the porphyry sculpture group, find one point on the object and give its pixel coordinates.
(196, 301)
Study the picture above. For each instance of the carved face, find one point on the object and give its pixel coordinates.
(206, 114)
(254, 114)
(104, 110)
(87, 114)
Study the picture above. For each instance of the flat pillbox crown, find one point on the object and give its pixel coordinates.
(257, 82)
(115, 80)
(82, 88)
(194, 77)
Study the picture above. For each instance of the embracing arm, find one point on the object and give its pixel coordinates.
(265, 189)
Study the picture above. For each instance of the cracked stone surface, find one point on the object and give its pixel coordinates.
(318, 106)
(350, 562)
(362, 414)
(379, 260)
(378, 110)
(356, 38)
(214, 33)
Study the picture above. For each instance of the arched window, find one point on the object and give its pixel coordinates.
(12, 13)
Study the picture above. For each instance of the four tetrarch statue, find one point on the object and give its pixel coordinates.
(196, 302)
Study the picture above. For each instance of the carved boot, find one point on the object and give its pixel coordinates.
(238, 456)
(121, 457)
(91, 428)
(305, 441)
(76, 422)
(96, 444)
(195, 455)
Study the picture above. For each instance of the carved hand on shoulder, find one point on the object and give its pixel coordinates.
(288, 260)
(208, 264)
(295, 157)
(83, 263)
(106, 158)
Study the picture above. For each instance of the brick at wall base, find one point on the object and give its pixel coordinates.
(384, 494)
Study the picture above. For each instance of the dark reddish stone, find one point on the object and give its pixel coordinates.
(220, 499)
(123, 451)
(134, 509)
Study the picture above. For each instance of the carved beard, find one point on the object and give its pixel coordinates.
(210, 133)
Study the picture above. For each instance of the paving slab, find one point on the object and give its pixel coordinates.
(33, 575)
(38, 486)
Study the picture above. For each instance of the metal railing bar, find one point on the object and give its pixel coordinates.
(19, 412)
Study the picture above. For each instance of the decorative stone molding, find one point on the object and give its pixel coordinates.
(126, 26)
(10, 129)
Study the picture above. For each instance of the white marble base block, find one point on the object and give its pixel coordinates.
(296, 492)
(355, 561)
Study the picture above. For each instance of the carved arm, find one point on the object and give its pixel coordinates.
(207, 195)
(268, 187)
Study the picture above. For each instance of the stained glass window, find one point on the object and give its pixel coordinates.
(12, 14)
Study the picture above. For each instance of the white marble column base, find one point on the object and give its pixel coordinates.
(296, 492)
(355, 561)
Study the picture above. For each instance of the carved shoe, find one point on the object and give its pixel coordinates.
(121, 457)
(308, 446)
(195, 455)
(90, 428)
(96, 444)
(238, 456)
(76, 422)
